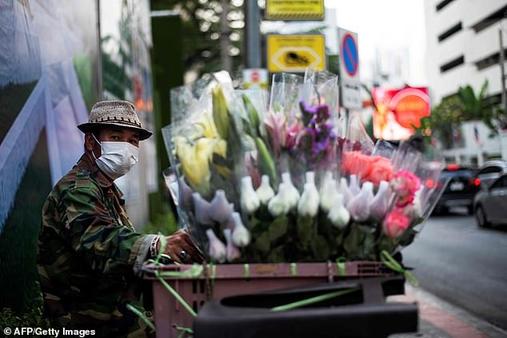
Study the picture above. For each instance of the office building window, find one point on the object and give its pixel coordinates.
(452, 64)
(490, 60)
(442, 4)
(451, 31)
(491, 19)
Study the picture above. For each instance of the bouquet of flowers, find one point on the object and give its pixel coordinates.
(286, 179)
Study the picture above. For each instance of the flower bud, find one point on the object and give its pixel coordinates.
(217, 250)
(359, 206)
(232, 251)
(345, 191)
(308, 204)
(220, 209)
(201, 209)
(240, 234)
(265, 192)
(327, 191)
(338, 214)
(278, 205)
(380, 203)
(292, 192)
(249, 200)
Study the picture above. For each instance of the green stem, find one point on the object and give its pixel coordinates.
(312, 300)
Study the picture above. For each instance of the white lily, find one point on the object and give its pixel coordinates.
(240, 234)
(380, 203)
(217, 250)
(292, 192)
(327, 191)
(308, 204)
(249, 200)
(220, 208)
(201, 209)
(338, 214)
(359, 205)
(232, 251)
(264, 191)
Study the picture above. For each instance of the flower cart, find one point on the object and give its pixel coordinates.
(281, 193)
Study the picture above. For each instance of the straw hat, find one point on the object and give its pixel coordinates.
(114, 113)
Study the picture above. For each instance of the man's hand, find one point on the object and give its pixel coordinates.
(181, 249)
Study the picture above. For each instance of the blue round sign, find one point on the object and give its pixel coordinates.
(350, 55)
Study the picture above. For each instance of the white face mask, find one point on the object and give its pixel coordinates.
(116, 158)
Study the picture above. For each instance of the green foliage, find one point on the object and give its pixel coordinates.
(163, 222)
(31, 318)
(201, 32)
(465, 105)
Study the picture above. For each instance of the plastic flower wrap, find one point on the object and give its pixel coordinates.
(281, 182)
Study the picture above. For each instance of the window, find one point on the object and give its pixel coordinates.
(500, 183)
(452, 64)
(490, 19)
(442, 4)
(490, 170)
(490, 60)
(451, 31)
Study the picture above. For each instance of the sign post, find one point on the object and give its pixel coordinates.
(295, 53)
(349, 69)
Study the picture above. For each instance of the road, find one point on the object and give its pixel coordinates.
(463, 264)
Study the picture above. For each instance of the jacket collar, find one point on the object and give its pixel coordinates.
(87, 163)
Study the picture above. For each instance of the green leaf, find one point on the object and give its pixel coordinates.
(306, 230)
(278, 228)
(266, 163)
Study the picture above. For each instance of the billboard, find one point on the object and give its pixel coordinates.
(296, 53)
(398, 112)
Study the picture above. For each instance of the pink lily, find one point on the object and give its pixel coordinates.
(276, 126)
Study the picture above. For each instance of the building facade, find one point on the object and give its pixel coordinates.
(463, 48)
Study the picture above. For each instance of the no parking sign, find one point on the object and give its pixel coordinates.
(349, 69)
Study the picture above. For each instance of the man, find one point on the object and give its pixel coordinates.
(90, 256)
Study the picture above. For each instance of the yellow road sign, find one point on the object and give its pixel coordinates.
(294, 9)
(295, 53)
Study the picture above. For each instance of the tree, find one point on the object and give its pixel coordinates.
(465, 105)
(202, 31)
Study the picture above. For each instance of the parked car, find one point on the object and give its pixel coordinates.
(490, 204)
(490, 171)
(462, 185)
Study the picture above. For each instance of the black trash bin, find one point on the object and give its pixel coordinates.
(359, 311)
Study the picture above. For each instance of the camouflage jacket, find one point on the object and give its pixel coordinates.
(89, 254)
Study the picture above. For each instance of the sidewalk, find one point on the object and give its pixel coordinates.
(438, 318)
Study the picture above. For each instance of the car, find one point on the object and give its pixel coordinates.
(490, 171)
(490, 203)
(461, 187)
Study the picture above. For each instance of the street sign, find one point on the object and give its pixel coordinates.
(294, 10)
(349, 69)
(255, 78)
(295, 53)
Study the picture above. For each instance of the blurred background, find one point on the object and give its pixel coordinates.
(433, 68)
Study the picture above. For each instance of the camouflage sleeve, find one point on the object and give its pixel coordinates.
(104, 244)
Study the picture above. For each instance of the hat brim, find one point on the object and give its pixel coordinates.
(91, 127)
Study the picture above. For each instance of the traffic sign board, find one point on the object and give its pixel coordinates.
(349, 70)
(294, 9)
(350, 54)
(295, 53)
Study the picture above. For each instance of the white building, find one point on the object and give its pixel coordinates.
(463, 47)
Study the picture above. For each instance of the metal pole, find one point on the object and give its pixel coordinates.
(99, 84)
(502, 70)
(253, 39)
(224, 37)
